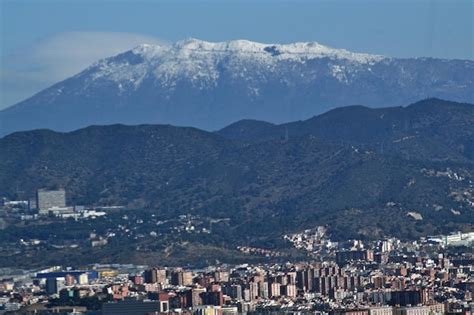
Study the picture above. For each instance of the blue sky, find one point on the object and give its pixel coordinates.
(43, 42)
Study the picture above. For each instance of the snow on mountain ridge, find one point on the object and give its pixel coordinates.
(281, 51)
(199, 61)
(210, 85)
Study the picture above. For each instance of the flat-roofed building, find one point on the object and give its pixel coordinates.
(132, 307)
(48, 199)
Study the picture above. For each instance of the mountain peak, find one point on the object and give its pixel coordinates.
(211, 84)
(262, 51)
(201, 62)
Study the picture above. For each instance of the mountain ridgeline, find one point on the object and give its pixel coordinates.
(431, 129)
(210, 85)
(359, 170)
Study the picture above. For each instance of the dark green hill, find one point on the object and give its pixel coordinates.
(431, 129)
(359, 170)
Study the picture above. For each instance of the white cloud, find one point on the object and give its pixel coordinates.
(58, 57)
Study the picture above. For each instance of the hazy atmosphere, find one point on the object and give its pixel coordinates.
(43, 42)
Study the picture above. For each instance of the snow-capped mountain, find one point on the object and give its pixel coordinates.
(209, 85)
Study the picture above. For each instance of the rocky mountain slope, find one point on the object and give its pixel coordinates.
(210, 85)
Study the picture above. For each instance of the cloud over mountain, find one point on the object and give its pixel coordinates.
(55, 58)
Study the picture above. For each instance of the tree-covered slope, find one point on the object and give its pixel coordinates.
(331, 170)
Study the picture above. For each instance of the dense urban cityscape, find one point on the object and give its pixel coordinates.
(433, 275)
